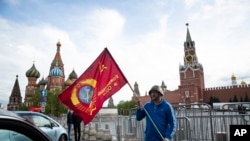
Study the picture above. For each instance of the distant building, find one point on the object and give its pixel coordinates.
(54, 80)
(192, 83)
(15, 98)
(191, 89)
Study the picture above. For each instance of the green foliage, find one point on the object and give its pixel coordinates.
(22, 107)
(53, 105)
(35, 100)
(124, 107)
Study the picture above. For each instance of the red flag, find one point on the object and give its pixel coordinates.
(100, 81)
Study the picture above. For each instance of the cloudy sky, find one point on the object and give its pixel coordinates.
(145, 37)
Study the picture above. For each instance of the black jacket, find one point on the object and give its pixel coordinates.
(69, 118)
(76, 119)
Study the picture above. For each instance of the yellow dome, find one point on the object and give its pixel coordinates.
(233, 77)
(68, 82)
(243, 82)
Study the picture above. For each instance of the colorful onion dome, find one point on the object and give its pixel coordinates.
(68, 82)
(56, 71)
(73, 75)
(33, 72)
(243, 82)
(233, 77)
(42, 82)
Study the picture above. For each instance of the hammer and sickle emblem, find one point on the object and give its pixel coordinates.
(102, 67)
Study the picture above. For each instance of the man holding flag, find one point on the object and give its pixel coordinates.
(101, 80)
(161, 121)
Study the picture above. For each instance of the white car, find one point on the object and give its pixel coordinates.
(16, 128)
(50, 127)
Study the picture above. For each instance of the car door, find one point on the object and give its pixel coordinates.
(45, 125)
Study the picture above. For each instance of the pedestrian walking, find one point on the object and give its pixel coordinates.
(69, 122)
(77, 126)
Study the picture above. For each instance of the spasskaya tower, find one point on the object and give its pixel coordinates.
(191, 74)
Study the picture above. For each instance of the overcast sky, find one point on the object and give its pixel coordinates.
(145, 37)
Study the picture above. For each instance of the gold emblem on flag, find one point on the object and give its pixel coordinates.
(82, 92)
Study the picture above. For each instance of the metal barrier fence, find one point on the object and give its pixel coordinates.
(196, 122)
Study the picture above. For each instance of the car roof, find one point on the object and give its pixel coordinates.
(34, 113)
(9, 114)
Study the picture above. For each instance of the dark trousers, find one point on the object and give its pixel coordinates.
(69, 129)
(77, 132)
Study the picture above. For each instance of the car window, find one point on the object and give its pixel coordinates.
(9, 135)
(40, 121)
(54, 124)
(27, 117)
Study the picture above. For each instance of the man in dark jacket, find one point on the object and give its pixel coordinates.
(77, 126)
(69, 122)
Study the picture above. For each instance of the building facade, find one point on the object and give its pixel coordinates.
(192, 83)
(54, 80)
(15, 98)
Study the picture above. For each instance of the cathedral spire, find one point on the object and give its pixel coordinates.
(15, 98)
(57, 59)
(16, 89)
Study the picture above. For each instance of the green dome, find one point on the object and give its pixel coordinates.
(33, 72)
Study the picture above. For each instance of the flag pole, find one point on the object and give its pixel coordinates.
(136, 96)
(146, 112)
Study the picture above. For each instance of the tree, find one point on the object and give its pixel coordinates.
(22, 107)
(124, 107)
(53, 105)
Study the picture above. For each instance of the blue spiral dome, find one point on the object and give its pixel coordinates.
(56, 71)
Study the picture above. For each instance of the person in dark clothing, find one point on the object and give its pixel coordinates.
(69, 122)
(77, 126)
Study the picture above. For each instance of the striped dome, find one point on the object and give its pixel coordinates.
(56, 71)
(33, 72)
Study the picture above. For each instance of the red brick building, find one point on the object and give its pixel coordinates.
(192, 83)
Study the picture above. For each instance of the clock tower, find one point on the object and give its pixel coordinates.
(191, 74)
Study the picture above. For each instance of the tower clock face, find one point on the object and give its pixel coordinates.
(189, 58)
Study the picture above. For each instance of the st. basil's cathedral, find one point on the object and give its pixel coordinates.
(55, 80)
(191, 89)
